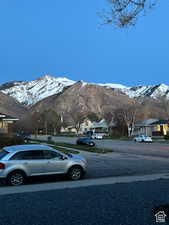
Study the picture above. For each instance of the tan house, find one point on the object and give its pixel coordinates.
(6, 123)
(152, 127)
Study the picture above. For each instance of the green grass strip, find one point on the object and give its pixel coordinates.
(74, 146)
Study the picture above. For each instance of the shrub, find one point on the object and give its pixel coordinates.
(166, 137)
(49, 138)
(8, 140)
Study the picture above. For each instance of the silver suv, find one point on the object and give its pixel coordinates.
(21, 161)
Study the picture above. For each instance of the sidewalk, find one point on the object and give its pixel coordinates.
(81, 183)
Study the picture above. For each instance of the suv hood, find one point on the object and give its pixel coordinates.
(77, 156)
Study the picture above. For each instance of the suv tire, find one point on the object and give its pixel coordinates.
(16, 178)
(75, 173)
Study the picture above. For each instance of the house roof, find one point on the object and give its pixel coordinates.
(102, 124)
(160, 122)
(5, 117)
(152, 122)
(148, 122)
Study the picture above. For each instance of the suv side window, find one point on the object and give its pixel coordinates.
(28, 155)
(51, 155)
(3, 153)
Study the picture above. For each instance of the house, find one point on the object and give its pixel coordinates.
(87, 125)
(84, 127)
(68, 129)
(152, 127)
(100, 127)
(6, 123)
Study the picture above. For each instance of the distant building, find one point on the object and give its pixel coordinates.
(100, 127)
(152, 127)
(87, 125)
(6, 123)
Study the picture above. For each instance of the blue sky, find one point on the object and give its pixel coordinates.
(63, 38)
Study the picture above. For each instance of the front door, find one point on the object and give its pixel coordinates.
(55, 164)
(31, 161)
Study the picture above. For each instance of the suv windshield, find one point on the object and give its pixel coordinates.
(3, 153)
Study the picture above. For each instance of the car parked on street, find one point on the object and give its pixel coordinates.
(26, 137)
(85, 141)
(97, 136)
(22, 161)
(143, 138)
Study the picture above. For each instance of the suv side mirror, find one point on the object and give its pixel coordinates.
(63, 157)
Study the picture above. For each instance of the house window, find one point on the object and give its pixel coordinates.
(3, 125)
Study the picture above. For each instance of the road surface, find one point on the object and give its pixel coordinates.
(113, 204)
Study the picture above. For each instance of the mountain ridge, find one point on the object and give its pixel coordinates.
(29, 93)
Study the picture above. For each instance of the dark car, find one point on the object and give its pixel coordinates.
(85, 141)
(26, 137)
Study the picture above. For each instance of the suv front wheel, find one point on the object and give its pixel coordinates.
(75, 173)
(16, 178)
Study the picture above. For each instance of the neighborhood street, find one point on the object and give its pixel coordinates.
(131, 147)
(113, 204)
(120, 188)
(127, 158)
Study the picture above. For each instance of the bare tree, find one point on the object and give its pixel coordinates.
(37, 122)
(162, 103)
(55, 121)
(93, 117)
(124, 13)
(127, 115)
(78, 118)
(108, 116)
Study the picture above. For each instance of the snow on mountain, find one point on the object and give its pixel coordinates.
(141, 91)
(149, 91)
(29, 93)
(110, 85)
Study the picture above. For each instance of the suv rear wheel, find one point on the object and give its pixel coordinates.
(75, 173)
(16, 178)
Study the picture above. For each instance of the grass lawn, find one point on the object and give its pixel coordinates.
(74, 146)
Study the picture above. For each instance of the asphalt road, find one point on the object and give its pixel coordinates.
(115, 204)
(128, 158)
(123, 164)
(131, 147)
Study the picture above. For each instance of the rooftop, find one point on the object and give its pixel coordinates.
(27, 147)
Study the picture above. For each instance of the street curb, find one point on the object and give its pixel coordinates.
(82, 183)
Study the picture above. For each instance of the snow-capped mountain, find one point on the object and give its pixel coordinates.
(114, 86)
(31, 92)
(152, 91)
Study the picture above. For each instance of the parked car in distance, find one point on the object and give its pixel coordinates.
(143, 138)
(85, 141)
(19, 162)
(97, 136)
(26, 137)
